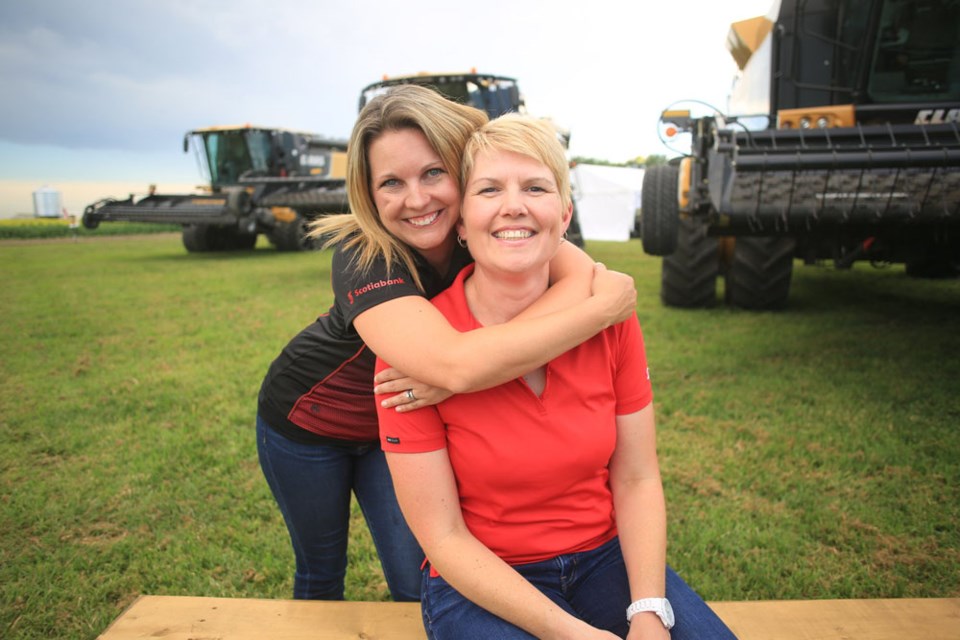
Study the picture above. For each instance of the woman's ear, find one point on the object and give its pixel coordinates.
(566, 219)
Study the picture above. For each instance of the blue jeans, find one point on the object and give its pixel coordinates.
(312, 485)
(591, 585)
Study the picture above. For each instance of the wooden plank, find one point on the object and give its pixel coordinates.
(875, 619)
(201, 618)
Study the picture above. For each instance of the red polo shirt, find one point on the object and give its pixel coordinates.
(532, 471)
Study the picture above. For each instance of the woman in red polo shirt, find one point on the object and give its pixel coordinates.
(538, 502)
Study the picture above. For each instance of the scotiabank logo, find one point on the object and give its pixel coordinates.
(367, 288)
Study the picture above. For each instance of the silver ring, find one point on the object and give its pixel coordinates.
(410, 396)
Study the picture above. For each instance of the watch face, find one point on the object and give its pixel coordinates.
(668, 611)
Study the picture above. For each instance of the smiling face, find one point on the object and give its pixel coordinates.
(513, 216)
(417, 199)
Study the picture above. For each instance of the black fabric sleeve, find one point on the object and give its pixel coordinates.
(357, 291)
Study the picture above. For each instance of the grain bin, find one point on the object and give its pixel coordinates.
(46, 203)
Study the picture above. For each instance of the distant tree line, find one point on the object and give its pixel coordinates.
(641, 162)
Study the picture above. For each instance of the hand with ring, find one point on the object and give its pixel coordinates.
(404, 393)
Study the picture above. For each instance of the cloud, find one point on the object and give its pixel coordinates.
(132, 76)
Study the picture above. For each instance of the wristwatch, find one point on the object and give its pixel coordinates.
(660, 606)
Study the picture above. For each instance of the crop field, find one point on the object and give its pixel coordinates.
(810, 453)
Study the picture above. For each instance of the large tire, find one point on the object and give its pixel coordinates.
(200, 238)
(689, 276)
(760, 271)
(196, 238)
(90, 220)
(659, 210)
(292, 235)
(240, 241)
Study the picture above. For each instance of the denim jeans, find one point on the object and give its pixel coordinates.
(312, 485)
(591, 585)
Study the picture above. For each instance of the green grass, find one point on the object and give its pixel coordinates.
(24, 228)
(812, 453)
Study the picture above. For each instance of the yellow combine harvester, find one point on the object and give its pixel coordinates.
(843, 144)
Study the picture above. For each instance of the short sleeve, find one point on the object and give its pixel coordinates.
(412, 431)
(357, 291)
(633, 387)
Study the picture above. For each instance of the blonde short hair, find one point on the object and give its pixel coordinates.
(525, 135)
(446, 125)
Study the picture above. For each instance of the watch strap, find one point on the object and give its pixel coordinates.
(659, 606)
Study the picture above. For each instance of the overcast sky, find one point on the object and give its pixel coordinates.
(103, 91)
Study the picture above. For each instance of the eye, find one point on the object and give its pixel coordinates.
(389, 183)
(434, 174)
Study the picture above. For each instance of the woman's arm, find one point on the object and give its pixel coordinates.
(415, 338)
(641, 515)
(427, 493)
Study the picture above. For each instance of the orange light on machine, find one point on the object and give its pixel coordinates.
(674, 121)
(825, 117)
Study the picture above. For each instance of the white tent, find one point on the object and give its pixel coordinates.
(607, 200)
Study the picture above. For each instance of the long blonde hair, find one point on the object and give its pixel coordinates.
(446, 125)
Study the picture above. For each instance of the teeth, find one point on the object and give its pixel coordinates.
(423, 221)
(513, 234)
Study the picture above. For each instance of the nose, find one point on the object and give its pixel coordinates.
(513, 203)
(417, 197)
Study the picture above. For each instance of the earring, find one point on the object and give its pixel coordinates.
(461, 242)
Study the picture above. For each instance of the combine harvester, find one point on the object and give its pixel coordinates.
(857, 156)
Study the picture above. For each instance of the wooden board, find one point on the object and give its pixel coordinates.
(197, 618)
(898, 619)
(200, 618)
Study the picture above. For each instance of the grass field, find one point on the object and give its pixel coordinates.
(813, 453)
(23, 228)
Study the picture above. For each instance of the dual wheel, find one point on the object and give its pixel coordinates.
(291, 235)
(285, 236)
(199, 238)
(757, 270)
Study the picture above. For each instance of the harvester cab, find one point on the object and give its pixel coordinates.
(496, 95)
(231, 155)
(842, 143)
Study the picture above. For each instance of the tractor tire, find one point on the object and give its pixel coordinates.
(659, 210)
(689, 276)
(291, 236)
(201, 238)
(90, 220)
(759, 274)
(196, 238)
(240, 241)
